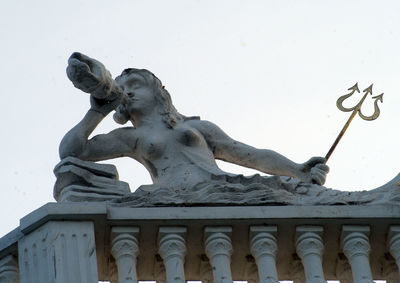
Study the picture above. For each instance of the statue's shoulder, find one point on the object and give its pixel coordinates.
(201, 125)
(124, 131)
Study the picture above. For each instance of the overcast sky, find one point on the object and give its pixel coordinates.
(267, 72)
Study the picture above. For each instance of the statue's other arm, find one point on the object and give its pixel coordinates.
(90, 75)
(264, 160)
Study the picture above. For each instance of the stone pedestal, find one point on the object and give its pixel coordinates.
(59, 252)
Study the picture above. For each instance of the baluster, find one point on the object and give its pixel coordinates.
(263, 247)
(172, 248)
(394, 243)
(219, 250)
(9, 270)
(125, 249)
(356, 247)
(309, 247)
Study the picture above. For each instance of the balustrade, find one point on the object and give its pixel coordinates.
(201, 246)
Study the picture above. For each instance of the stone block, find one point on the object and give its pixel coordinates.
(79, 180)
(59, 252)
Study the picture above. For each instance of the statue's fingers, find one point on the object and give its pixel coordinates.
(319, 172)
(318, 176)
(315, 160)
(322, 167)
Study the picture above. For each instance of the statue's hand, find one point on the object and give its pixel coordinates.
(89, 75)
(314, 171)
(104, 106)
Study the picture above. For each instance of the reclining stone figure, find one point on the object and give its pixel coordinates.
(179, 152)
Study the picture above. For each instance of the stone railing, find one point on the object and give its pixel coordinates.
(96, 241)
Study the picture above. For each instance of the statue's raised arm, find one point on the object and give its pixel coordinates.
(89, 75)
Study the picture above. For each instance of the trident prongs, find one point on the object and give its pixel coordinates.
(356, 109)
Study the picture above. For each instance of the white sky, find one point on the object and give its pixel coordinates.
(267, 72)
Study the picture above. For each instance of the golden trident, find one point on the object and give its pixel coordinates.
(356, 109)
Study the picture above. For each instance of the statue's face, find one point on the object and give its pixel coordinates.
(140, 95)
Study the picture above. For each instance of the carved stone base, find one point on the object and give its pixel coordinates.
(79, 180)
(59, 252)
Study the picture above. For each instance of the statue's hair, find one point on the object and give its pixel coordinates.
(170, 115)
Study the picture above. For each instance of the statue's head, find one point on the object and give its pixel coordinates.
(145, 93)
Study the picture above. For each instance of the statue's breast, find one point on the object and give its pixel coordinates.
(171, 145)
(152, 147)
(188, 137)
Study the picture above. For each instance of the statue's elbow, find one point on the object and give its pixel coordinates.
(66, 152)
(69, 147)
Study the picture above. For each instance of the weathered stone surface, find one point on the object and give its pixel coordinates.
(78, 193)
(59, 251)
(79, 180)
(9, 270)
(258, 190)
(105, 170)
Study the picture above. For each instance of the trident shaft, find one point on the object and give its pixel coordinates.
(356, 109)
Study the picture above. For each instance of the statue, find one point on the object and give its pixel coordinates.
(178, 151)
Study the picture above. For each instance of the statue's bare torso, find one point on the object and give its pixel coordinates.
(178, 157)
